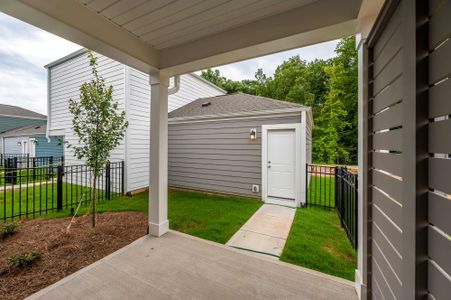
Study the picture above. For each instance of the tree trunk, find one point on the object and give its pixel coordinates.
(94, 201)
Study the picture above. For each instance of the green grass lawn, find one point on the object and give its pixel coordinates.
(24, 176)
(318, 242)
(321, 191)
(211, 217)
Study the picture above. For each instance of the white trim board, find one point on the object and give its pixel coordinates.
(299, 161)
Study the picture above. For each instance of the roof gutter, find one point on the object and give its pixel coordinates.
(223, 116)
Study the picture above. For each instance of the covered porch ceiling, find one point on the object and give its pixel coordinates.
(180, 36)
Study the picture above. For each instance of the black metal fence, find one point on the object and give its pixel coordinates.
(346, 191)
(28, 192)
(331, 187)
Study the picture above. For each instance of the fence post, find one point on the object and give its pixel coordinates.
(123, 178)
(59, 188)
(356, 209)
(108, 181)
(306, 185)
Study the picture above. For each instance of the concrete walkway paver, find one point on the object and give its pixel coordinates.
(178, 266)
(266, 231)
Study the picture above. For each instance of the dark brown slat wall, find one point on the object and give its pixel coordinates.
(409, 75)
(439, 177)
(386, 191)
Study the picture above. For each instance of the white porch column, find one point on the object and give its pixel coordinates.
(363, 153)
(158, 194)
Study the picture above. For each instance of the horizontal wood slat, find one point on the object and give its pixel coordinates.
(389, 96)
(389, 118)
(389, 140)
(439, 28)
(439, 103)
(440, 136)
(393, 46)
(439, 212)
(389, 162)
(391, 232)
(383, 285)
(440, 174)
(388, 31)
(439, 249)
(440, 63)
(388, 206)
(387, 247)
(388, 184)
(387, 270)
(439, 286)
(388, 74)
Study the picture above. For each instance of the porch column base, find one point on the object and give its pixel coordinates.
(158, 229)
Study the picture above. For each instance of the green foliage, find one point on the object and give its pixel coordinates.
(24, 260)
(7, 229)
(328, 86)
(97, 123)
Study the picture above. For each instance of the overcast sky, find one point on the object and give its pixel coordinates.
(25, 49)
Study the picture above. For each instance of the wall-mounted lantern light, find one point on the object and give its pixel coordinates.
(19, 143)
(34, 142)
(253, 134)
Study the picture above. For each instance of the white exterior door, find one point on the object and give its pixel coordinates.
(283, 155)
(281, 164)
(32, 147)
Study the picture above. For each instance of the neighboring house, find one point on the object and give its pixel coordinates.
(132, 91)
(14, 117)
(242, 144)
(31, 140)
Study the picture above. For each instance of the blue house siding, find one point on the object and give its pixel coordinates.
(7, 123)
(54, 148)
(43, 147)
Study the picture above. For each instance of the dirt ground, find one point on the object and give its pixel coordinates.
(64, 254)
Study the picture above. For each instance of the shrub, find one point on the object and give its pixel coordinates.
(24, 259)
(7, 229)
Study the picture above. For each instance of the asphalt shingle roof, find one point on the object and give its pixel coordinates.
(11, 110)
(25, 131)
(231, 103)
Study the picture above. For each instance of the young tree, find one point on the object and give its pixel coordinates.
(98, 125)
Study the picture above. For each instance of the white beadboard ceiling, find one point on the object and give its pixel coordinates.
(167, 23)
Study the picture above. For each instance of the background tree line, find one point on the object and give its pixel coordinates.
(328, 86)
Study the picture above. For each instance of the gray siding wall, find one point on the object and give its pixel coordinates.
(11, 146)
(218, 155)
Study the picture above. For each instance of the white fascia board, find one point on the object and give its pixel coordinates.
(75, 22)
(226, 116)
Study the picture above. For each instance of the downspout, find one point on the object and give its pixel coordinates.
(47, 133)
(176, 86)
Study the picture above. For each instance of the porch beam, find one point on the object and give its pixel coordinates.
(313, 23)
(158, 177)
(73, 21)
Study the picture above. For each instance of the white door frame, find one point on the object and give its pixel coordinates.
(298, 161)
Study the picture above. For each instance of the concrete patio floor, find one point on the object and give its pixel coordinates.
(178, 266)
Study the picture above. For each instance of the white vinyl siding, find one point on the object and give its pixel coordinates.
(132, 91)
(65, 81)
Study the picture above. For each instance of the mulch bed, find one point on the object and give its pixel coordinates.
(64, 254)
